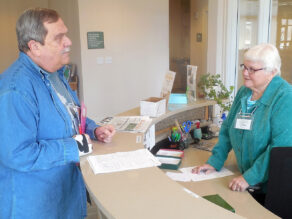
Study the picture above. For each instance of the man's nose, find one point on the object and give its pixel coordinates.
(67, 41)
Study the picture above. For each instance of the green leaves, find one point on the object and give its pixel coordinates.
(213, 88)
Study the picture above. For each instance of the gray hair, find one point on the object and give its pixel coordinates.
(30, 26)
(267, 54)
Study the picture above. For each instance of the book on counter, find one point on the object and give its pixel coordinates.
(169, 162)
(170, 153)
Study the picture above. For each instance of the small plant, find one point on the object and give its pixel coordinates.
(213, 88)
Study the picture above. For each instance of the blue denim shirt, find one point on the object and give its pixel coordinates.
(272, 127)
(39, 177)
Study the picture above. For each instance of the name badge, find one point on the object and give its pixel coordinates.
(244, 121)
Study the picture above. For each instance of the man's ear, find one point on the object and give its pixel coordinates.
(34, 47)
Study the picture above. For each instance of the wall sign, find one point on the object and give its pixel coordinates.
(95, 40)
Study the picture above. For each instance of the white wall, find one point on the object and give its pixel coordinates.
(137, 38)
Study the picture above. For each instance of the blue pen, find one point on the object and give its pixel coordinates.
(187, 126)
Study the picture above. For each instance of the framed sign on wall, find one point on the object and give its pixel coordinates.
(95, 40)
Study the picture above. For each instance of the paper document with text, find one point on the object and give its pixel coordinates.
(121, 161)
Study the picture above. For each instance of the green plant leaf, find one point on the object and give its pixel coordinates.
(213, 88)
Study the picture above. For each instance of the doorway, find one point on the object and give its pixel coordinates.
(188, 37)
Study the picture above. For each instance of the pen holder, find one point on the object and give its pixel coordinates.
(182, 144)
(185, 141)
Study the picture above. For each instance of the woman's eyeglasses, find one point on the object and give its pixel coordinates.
(250, 70)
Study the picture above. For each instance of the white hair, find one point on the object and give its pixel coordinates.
(267, 54)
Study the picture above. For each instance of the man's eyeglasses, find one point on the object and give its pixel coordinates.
(250, 70)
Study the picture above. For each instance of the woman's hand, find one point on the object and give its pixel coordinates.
(238, 184)
(206, 168)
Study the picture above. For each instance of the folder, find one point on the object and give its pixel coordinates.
(171, 163)
(216, 199)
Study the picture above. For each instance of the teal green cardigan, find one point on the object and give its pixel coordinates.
(272, 127)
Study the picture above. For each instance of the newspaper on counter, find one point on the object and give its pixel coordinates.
(128, 123)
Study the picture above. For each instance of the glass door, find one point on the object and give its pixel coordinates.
(248, 23)
(281, 34)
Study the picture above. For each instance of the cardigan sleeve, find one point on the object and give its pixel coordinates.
(223, 147)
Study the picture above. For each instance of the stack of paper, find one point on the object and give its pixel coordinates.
(169, 158)
(122, 161)
(170, 153)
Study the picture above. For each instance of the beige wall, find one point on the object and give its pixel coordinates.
(136, 38)
(9, 13)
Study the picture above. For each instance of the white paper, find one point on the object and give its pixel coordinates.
(186, 175)
(165, 152)
(181, 177)
(202, 176)
(169, 160)
(122, 161)
(128, 123)
(149, 138)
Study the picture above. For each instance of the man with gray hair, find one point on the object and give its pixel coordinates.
(40, 126)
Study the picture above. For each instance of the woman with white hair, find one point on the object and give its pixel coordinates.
(260, 119)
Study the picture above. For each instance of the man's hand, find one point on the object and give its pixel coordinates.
(206, 168)
(238, 184)
(105, 133)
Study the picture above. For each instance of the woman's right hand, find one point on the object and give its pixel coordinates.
(206, 168)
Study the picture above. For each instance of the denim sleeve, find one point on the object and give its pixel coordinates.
(20, 148)
(90, 128)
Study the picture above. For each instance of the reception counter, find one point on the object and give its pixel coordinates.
(149, 193)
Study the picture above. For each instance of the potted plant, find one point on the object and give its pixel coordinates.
(213, 89)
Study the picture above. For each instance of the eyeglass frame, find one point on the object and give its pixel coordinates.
(250, 70)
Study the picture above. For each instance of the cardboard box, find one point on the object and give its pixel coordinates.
(153, 106)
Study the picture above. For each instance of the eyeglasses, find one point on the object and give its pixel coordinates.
(250, 70)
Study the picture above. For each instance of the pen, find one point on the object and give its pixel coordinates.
(204, 171)
(178, 126)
